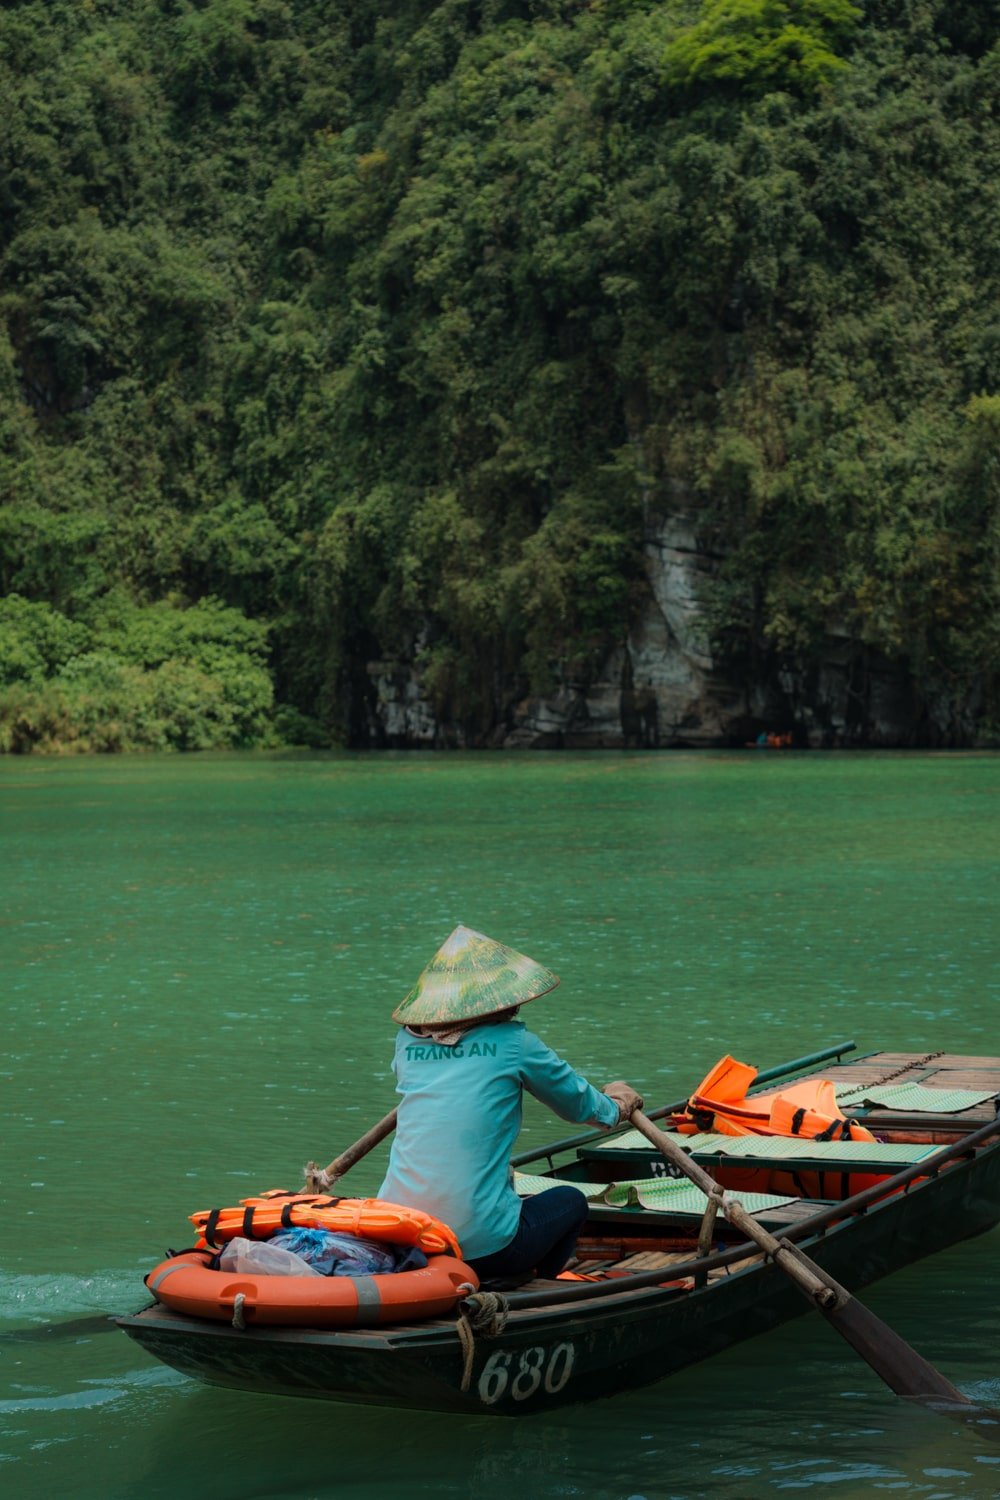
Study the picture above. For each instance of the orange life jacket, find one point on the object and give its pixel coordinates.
(370, 1218)
(809, 1109)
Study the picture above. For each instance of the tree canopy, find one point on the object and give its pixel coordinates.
(335, 332)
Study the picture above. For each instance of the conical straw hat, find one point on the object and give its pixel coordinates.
(472, 975)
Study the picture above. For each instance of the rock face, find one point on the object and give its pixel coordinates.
(858, 697)
(399, 716)
(661, 687)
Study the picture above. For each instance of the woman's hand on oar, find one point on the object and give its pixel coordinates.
(321, 1179)
(904, 1370)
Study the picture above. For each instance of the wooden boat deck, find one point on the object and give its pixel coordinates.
(609, 1256)
(936, 1070)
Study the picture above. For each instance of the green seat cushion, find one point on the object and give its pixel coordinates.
(665, 1195)
(915, 1098)
(783, 1148)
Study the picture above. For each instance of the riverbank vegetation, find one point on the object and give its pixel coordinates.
(378, 330)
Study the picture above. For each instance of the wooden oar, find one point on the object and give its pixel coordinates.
(904, 1370)
(346, 1160)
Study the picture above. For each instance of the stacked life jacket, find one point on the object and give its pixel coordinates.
(390, 1223)
(808, 1109)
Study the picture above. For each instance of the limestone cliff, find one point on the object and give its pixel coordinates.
(661, 687)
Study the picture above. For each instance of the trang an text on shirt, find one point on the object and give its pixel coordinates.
(429, 1052)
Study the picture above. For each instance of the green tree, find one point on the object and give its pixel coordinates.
(762, 44)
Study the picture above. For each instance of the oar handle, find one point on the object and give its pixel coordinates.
(347, 1159)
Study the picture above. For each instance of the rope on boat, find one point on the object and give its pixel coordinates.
(484, 1314)
(238, 1319)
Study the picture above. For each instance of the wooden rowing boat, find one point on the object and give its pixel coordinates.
(655, 1305)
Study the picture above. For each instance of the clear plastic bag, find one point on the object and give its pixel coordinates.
(337, 1254)
(263, 1258)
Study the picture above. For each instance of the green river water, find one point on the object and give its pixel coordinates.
(200, 957)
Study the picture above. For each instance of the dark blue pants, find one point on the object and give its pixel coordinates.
(545, 1239)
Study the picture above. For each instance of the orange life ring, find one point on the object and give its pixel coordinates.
(391, 1223)
(187, 1284)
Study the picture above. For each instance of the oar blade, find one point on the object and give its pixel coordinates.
(72, 1328)
(908, 1373)
(904, 1370)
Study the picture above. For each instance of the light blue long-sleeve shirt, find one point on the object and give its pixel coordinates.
(459, 1118)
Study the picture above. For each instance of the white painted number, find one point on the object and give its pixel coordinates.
(493, 1380)
(554, 1382)
(529, 1374)
(536, 1366)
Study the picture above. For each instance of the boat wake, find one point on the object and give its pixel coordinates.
(31, 1301)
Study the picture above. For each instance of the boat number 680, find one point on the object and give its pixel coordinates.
(524, 1373)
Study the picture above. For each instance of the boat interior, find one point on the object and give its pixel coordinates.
(645, 1218)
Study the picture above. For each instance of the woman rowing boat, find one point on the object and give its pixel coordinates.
(462, 1061)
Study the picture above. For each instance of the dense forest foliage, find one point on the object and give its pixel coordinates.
(342, 329)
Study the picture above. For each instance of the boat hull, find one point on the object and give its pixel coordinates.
(570, 1352)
